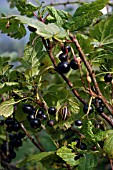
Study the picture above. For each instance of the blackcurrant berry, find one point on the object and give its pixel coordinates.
(30, 117)
(50, 123)
(83, 146)
(86, 107)
(16, 127)
(15, 142)
(27, 108)
(1, 122)
(78, 123)
(108, 77)
(12, 136)
(52, 110)
(78, 156)
(9, 121)
(63, 57)
(77, 140)
(12, 155)
(20, 135)
(63, 67)
(32, 29)
(74, 64)
(100, 109)
(35, 123)
(9, 128)
(40, 113)
(66, 49)
(98, 102)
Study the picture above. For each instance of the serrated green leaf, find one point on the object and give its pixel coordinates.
(6, 107)
(88, 162)
(67, 155)
(12, 27)
(100, 136)
(46, 31)
(103, 33)
(36, 157)
(85, 15)
(96, 5)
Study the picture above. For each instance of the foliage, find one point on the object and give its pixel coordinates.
(77, 90)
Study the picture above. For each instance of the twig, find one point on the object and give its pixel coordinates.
(107, 118)
(64, 3)
(31, 139)
(91, 73)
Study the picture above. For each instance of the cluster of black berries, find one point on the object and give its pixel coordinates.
(12, 125)
(36, 116)
(64, 66)
(8, 147)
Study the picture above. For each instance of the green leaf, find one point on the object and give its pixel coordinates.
(88, 162)
(26, 8)
(6, 107)
(46, 31)
(85, 15)
(108, 144)
(12, 27)
(36, 157)
(103, 33)
(67, 155)
(58, 15)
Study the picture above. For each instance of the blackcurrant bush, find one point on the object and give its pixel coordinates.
(27, 108)
(86, 107)
(35, 123)
(52, 110)
(32, 29)
(78, 123)
(108, 77)
(83, 146)
(63, 57)
(9, 121)
(63, 67)
(100, 109)
(74, 64)
(50, 123)
(31, 117)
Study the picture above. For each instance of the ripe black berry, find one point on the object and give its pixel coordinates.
(66, 49)
(27, 108)
(31, 117)
(16, 127)
(1, 122)
(20, 135)
(63, 57)
(35, 123)
(63, 67)
(9, 121)
(77, 140)
(50, 123)
(74, 64)
(52, 110)
(108, 77)
(15, 142)
(12, 155)
(78, 123)
(83, 146)
(40, 113)
(100, 109)
(32, 29)
(9, 128)
(86, 107)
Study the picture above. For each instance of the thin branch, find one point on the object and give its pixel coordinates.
(91, 73)
(64, 3)
(31, 139)
(107, 118)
